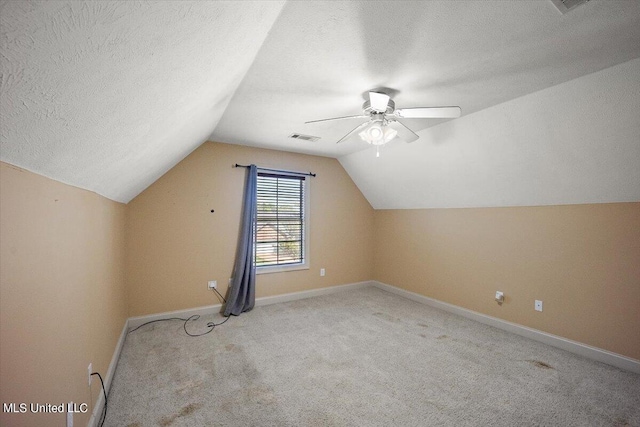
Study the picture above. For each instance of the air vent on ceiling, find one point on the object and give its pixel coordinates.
(565, 6)
(305, 137)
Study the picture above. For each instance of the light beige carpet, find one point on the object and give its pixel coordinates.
(360, 358)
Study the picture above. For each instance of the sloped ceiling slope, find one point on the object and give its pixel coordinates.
(109, 95)
(574, 143)
(322, 56)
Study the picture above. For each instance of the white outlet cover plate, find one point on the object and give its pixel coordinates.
(538, 305)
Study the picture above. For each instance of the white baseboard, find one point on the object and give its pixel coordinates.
(134, 322)
(593, 353)
(97, 408)
(310, 293)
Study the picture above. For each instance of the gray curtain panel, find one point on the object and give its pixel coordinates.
(242, 295)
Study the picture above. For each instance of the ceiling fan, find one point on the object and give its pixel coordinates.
(383, 124)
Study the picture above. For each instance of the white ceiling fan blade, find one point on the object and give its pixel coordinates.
(429, 113)
(378, 101)
(355, 130)
(404, 133)
(337, 118)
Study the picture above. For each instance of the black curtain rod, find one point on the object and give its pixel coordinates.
(276, 170)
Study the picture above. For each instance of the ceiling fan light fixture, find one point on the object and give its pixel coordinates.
(389, 134)
(375, 132)
(378, 134)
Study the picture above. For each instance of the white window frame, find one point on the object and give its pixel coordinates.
(304, 265)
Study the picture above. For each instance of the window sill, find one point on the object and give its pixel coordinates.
(281, 268)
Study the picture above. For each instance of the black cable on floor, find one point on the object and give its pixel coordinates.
(159, 320)
(103, 417)
(210, 325)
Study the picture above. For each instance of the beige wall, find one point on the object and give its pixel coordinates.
(61, 292)
(582, 261)
(175, 244)
(66, 254)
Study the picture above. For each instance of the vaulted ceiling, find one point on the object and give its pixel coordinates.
(108, 96)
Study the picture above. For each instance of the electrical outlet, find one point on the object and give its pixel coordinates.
(90, 371)
(499, 297)
(322, 272)
(212, 284)
(538, 305)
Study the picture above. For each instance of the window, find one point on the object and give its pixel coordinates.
(281, 223)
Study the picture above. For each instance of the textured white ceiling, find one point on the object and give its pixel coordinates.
(320, 58)
(108, 96)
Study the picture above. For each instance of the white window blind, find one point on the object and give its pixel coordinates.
(280, 222)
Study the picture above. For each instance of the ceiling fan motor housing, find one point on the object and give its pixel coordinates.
(366, 107)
